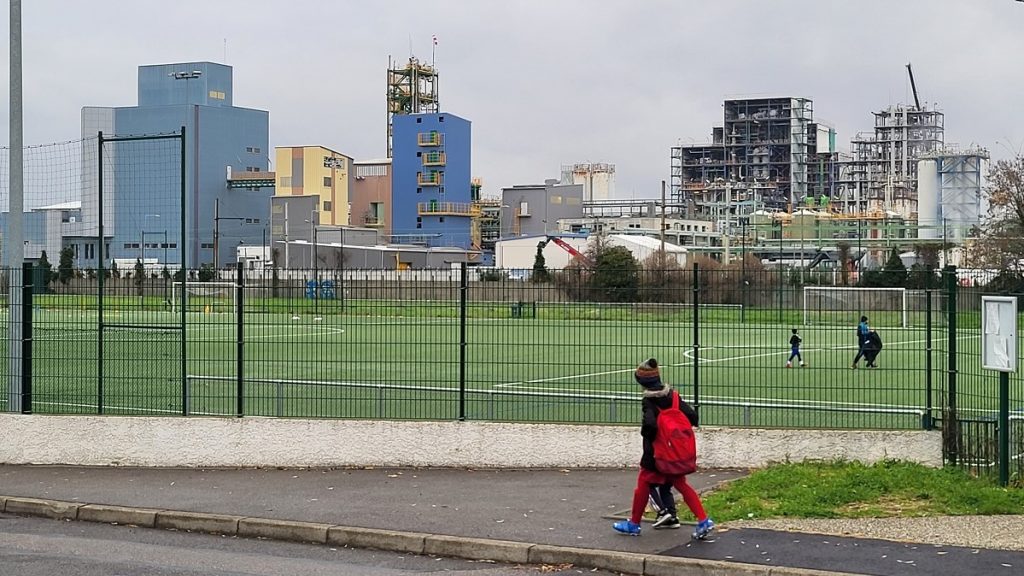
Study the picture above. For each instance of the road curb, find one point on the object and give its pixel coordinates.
(53, 509)
(122, 515)
(283, 530)
(391, 540)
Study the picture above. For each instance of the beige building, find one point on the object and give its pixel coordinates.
(371, 195)
(316, 171)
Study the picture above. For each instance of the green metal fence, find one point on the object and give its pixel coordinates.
(449, 345)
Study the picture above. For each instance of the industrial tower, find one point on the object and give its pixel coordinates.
(412, 89)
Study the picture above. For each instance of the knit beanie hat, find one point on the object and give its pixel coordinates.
(648, 375)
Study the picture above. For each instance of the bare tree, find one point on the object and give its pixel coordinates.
(1001, 245)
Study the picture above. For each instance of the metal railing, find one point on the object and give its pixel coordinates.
(560, 347)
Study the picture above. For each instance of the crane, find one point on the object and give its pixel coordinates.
(564, 246)
(913, 86)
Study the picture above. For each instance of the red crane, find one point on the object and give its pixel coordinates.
(564, 246)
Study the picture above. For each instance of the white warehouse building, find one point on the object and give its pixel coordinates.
(519, 253)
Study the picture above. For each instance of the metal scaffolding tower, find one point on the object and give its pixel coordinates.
(412, 89)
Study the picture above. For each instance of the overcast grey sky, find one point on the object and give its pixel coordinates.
(545, 82)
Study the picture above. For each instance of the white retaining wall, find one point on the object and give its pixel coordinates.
(266, 442)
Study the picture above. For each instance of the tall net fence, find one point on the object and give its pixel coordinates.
(93, 209)
(56, 177)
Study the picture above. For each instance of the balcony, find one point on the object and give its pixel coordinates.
(430, 179)
(430, 139)
(448, 209)
(251, 179)
(373, 222)
(434, 159)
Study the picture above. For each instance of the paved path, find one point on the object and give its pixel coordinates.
(571, 508)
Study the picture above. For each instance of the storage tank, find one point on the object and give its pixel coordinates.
(928, 220)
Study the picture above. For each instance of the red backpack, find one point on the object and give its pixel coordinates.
(675, 447)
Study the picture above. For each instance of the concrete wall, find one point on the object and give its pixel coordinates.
(202, 442)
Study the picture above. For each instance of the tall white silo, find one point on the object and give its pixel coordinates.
(929, 219)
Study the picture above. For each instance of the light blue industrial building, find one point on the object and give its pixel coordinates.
(142, 181)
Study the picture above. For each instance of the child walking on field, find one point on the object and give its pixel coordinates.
(657, 397)
(794, 347)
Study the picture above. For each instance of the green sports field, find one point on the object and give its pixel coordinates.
(556, 363)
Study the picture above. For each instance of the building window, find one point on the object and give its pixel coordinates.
(419, 190)
(440, 118)
(441, 219)
(327, 206)
(378, 170)
(419, 120)
(419, 154)
(327, 181)
(556, 199)
(206, 246)
(286, 181)
(441, 190)
(419, 225)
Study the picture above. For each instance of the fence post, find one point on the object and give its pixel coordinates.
(696, 336)
(1004, 428)
(463, 290)
(26, 338)
(100, 273)
(929, 422)
(240, 345)
(950, 422)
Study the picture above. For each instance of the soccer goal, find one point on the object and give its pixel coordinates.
(207, 297)
(831, 305)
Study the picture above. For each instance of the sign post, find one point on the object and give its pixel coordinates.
(999, 352)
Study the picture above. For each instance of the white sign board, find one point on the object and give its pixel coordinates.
(999, 333)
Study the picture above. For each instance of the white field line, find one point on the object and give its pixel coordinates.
(524, 384)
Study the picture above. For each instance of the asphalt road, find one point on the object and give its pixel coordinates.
(41, 547)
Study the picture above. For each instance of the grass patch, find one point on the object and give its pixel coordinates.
(852, 490)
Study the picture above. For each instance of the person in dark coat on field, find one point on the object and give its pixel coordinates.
(872, 346)
(657, 397)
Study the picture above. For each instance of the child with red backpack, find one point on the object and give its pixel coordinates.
(669, 452)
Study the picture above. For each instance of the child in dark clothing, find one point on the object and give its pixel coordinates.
(659, 396)
(794, 346)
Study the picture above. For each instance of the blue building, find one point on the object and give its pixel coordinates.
(142, 181)
(432, 201)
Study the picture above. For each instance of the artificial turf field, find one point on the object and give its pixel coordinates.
(561, 363)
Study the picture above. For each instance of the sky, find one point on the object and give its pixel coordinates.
(545, 82)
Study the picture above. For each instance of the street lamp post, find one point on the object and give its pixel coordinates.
(216, 233)
(313, 218)
(187, 76)
(144, 226)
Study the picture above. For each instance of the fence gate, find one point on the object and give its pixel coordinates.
(137, 240)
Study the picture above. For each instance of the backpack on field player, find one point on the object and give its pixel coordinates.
(675, 447)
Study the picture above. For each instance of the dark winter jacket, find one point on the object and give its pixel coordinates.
(653, 403)
(873, 341)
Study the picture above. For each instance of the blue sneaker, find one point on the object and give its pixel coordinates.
(627, 527)
(703, 529)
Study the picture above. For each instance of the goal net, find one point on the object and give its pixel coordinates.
(205, 297)
(828, 305)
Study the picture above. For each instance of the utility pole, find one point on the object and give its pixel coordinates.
(663, 218)
(286, 263)
(216, 233)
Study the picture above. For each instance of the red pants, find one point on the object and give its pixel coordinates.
(647, 478)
